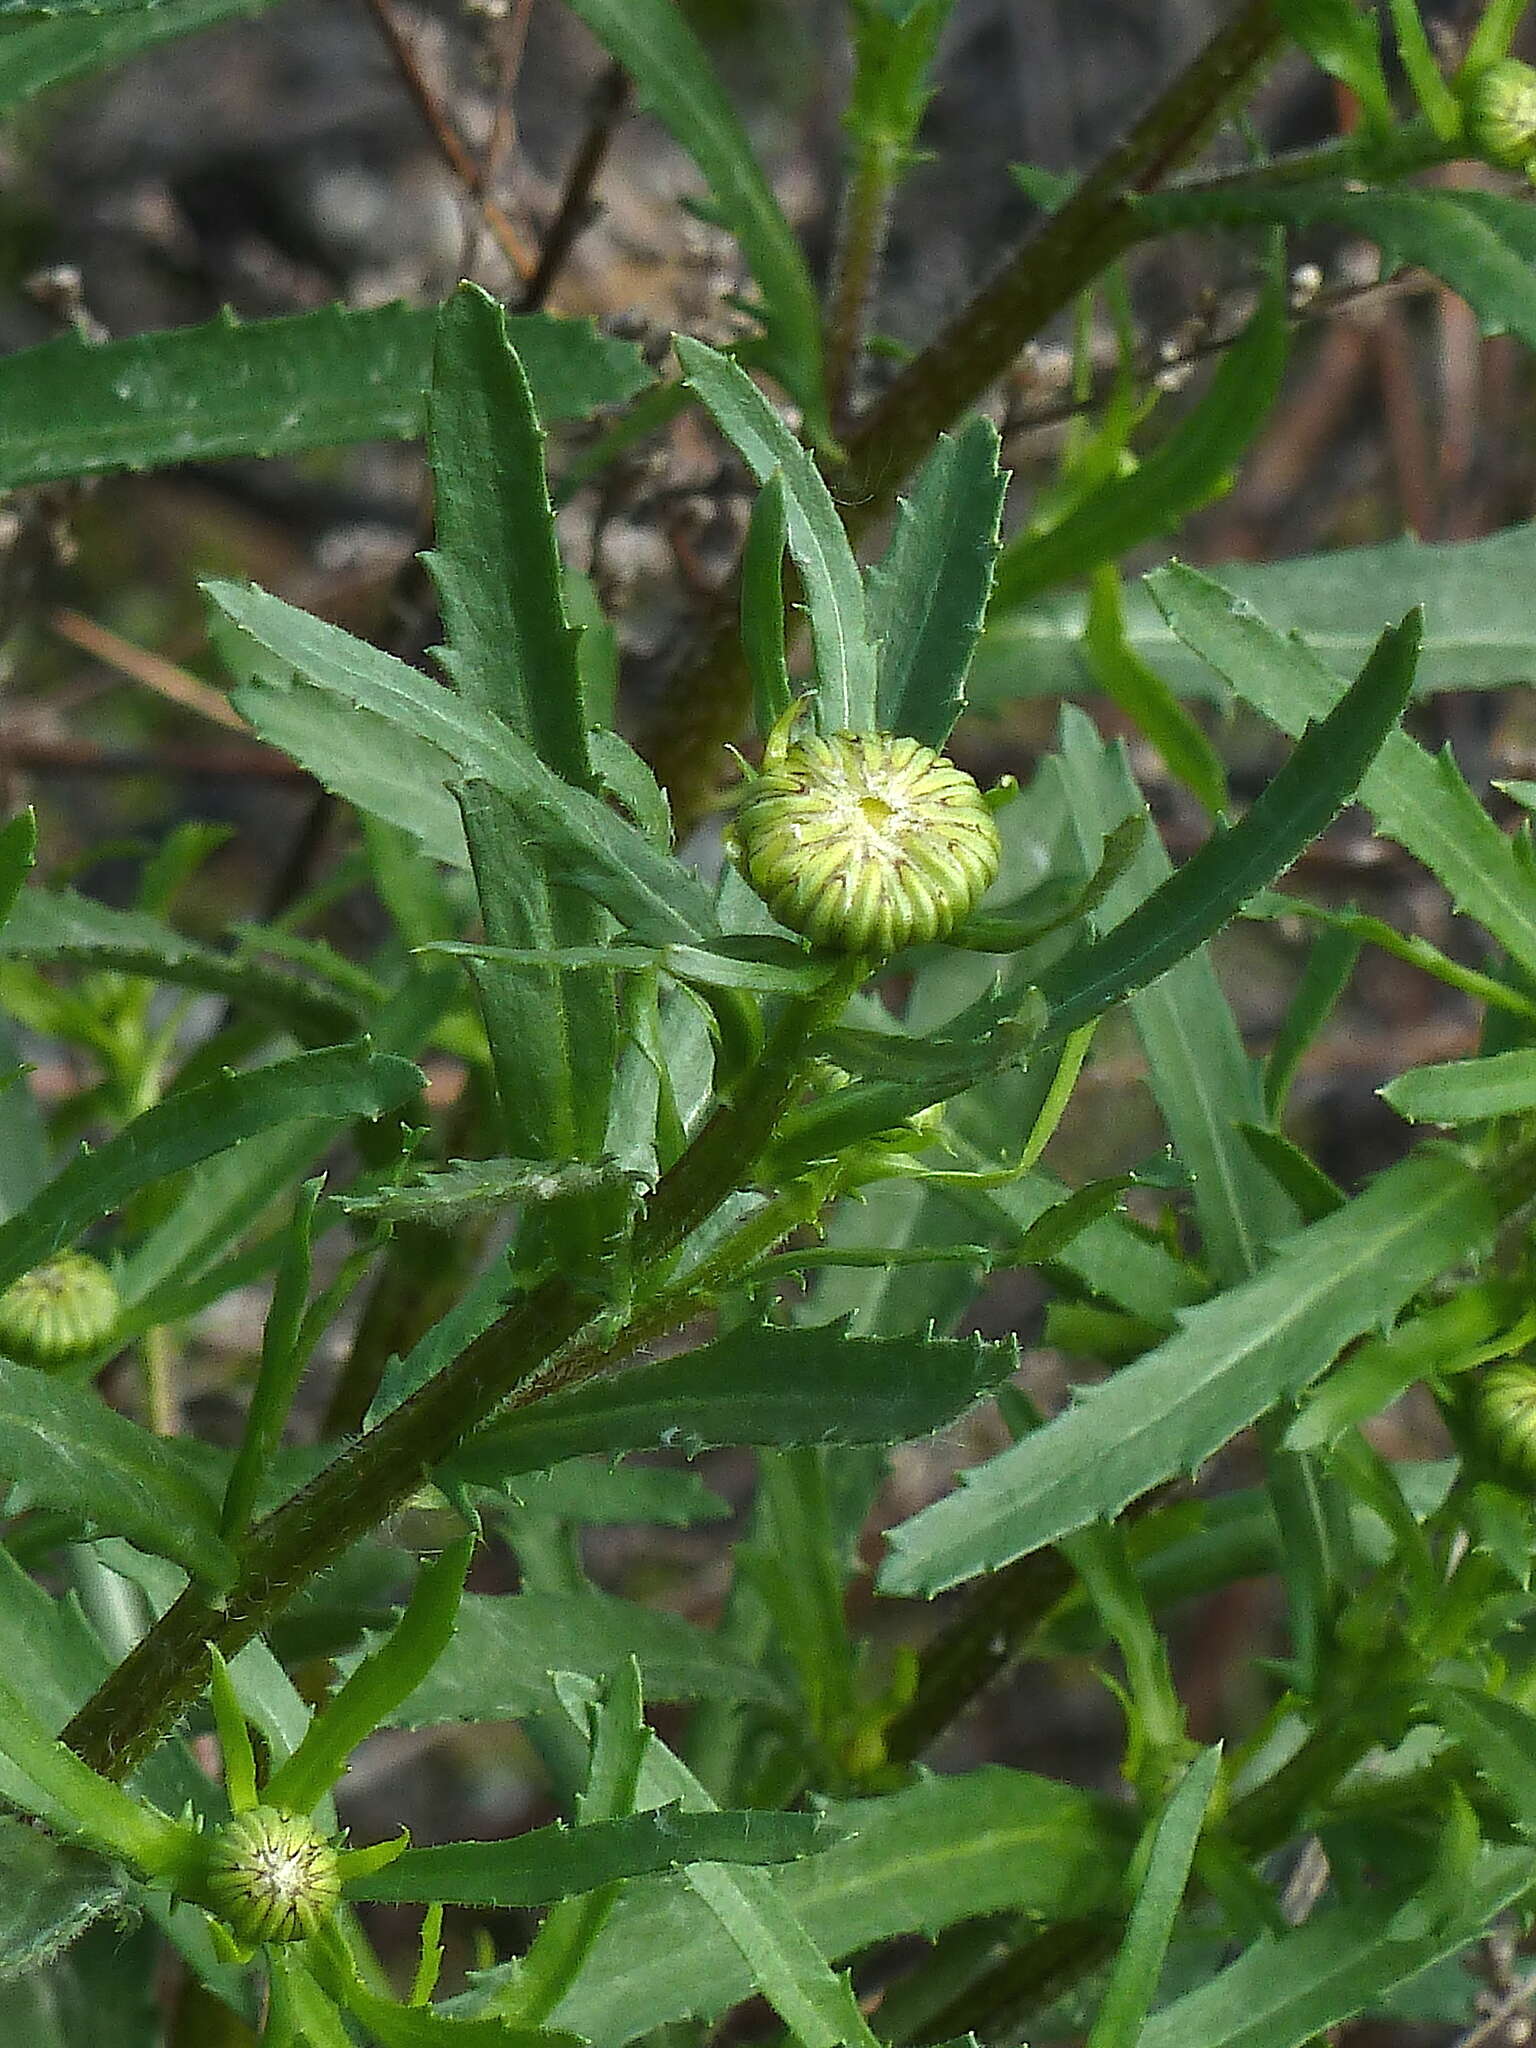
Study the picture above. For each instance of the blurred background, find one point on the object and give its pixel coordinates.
(319, 153)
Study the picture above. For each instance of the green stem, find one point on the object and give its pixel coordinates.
(1494, 34)
(552, 1337)
(861, 242)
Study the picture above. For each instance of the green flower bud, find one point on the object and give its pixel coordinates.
(865, 842)
(59, 1312)
(271, 1877)
(1499, 108)
(1502, 1409)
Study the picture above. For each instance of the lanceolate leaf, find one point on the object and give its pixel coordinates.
(946, 1849)
(1199, 897)
(756, 1385)
(270, 387)
(1345, 42)
(1466, 1091)
(343, 1081)
(1419, 800)
(49, 924)
(74, 1452)
(1192, 465)
(845, 655)
(37, 54)
(652, 40)
(1480, 243)
(473, 1187)
(392, 741)
(1231, 1360)
(928, 592)
(547, 1864)
(1501, 1738)
(1285, 1993)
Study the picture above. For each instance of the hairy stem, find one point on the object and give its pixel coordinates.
(552, 1337)
(706, 704)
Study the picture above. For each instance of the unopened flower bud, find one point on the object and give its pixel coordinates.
(271, 1876)
(61, 1311)
(1499, 107)
(865, 842)
(1502, 1407)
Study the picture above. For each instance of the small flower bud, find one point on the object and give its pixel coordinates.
(1502, 1409)
(271, 1876)
(865, 842)
(1499, 107)
(61, 1311)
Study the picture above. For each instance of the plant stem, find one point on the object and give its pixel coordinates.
(861, 242)
(552, 1337)
(706, 704)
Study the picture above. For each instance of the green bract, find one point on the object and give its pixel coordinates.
(865, 842)
(271, 1876)
(61, 1311)
(1504, 1415)
(1499, 107)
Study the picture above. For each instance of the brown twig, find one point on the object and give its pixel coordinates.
(152, 670)
(450, 144)
(609, 101)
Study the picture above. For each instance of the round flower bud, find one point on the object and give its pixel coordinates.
(271, 1877)
(865, 842)
(1503, 1412)
(1499, 108)
(59, 1312)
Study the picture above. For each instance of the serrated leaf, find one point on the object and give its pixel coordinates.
(74, 1452)
(943, 1850)
(546, 1864)
(656, 46)
(1479, 633)
(58, 924)
(590, 1490)
(475, 1187)
(40, 54)
(49, 1895)
(928, 592)
(845, 653)
(1140, 692)
(1203, 894)
(1501, 1737)
(758, 1384)
(193, 1125)
(392, 741)
(498, 1666)
(1190, 466)
(1231, 1360)
(1466, 1091)
(1420, 800)
(1284, 1993)
(274, 387)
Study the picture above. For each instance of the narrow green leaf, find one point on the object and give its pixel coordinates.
(18, 851)
(592, 1491)
(1138, 1966)
(477, 1187)
(57, 924)
(1192, 465)
(943, 1850)
(1466, 1091)
(845, 654)
(36, 55)
(1479, 243)
(271, 387)
(74, 1452)
(758, 1384)
(1501, 1737)
(1445, 1338)
(1420, 800)
(511, 649)
(1326, 975)
(349, 1081)
(498, 1665)
(928, 592)
(1200, 897)
(1140, 692)
(283, 1358)
(762, 605)
(1231, 1360)
(652, 40)
(547, 1864)
(49, 1895)
(392, 741)
(1345, 43)
(1284, 1993)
